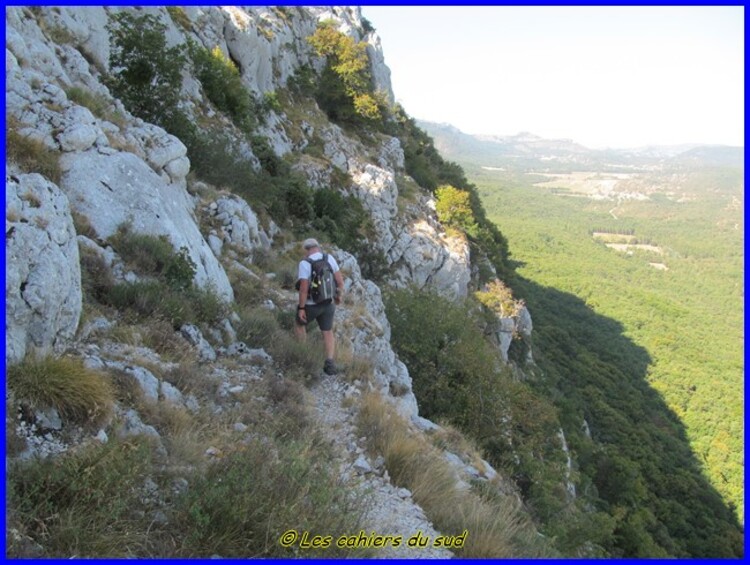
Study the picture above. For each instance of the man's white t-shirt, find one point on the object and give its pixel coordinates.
(305, 268)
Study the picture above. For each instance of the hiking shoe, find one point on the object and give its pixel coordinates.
(329, 367)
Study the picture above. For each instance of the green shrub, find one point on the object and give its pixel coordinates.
(329, 203)
(157, 299)
(367, 26)
(96, 276)
(82, 503)
(271, 102)
(79, 394)
(303, 82)
(268, 159)
(446, 354)
(243, 504)
(345, 89)
(453, 209)
(180, 269)
(32, 156)
(498, 298)
(154, 255)
(214, 159)
(343, 219)
(178, 15)
(97, 103)
(457, 375)
(146, 75)
(373, 263)
(222, 84)
(257, 327)
(299, 199)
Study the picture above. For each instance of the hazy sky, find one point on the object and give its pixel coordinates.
(602, 76)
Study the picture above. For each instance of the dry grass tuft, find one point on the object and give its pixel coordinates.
(191, 378)
(79, 394)
(355, 367)
(81, 504)
(300, 360)
(451, 439)
(496, 527)
(32, 156)
(256, 327)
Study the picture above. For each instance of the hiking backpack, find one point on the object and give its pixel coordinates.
(322, 283)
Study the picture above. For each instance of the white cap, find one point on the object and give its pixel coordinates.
(310, 243)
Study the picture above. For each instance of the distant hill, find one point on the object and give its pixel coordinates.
(713, 156)
(526, 151)
(492, 150)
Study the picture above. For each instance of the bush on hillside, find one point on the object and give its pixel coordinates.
(145, 74)
(498, 298)
(456, 373)
(154, 255)
(453, 209)
(345, 89)
(81, 503)
(425, 165)
(243, 503)
(221, 82)
(342, 218)
(458, 376)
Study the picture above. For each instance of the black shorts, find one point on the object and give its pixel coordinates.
(323, 313)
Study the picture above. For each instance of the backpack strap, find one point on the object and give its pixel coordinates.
(325, 258)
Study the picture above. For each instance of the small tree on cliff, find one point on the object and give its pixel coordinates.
(345, 90)
(453, 209)
(145, 74)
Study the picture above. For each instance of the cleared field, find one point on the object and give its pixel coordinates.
(609, 237)
(584, 182)
(626, 247)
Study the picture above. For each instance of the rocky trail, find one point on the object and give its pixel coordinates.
(390, 509)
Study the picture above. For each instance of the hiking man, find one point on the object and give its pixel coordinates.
(317, 273)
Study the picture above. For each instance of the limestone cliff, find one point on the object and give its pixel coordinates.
(115, 171)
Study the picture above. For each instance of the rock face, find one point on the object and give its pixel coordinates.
(140, 181)
(424, 256)
(120, 188)
(362, 323)
(135, 173)
(43, 276)
(237, 228)
(407, 232)
(517, 327)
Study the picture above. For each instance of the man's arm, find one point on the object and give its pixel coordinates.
(340, 285)
(303, 286)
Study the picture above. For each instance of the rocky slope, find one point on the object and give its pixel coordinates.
(116, 170)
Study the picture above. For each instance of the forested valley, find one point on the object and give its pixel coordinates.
(637, 298)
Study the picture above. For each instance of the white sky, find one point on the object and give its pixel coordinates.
(602, 76)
